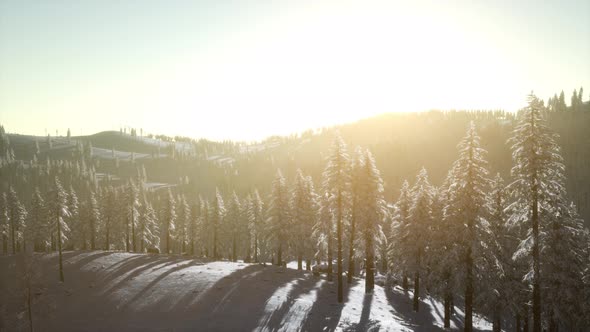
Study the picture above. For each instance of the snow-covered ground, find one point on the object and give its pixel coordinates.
(110, 291)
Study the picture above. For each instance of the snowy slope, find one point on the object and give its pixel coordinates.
(106, 291)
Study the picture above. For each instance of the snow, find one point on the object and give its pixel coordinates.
(115, 291)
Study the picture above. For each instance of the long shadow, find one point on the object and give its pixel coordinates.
(420, 321)
(77, 264)
(155, 281)
(136, 271)
(326, 311)
(365, 323)
(241, 296)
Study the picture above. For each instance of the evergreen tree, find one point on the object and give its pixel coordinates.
(38, 222)
(373, 211)
(169, 219)
(149, 233)
(278, 215)
(415, 233)
(60, 210)
(356, 169)
(182, 222)
(538, 176)
(400, 221)
(336, 183)
(217, 215)
(324, 231)
(233, 222)
(94, 220)
(256, 222)
(16, 217)
(73, 219)
(467, 202)
(132, 216)
(4, 222)
(303, 213)
(195, 222)
(108, 215)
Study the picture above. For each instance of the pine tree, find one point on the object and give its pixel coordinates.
(60, 210)
(169, 219)
(233, 222)
(182, 222)
(400, 220)
(278, 215)
(324, 231)
(38, 222)
(415, 234)
(356, 168)
(149, 233)
(94, 219)
(132, 216)
(538, 175)
(195, 222)
(16, 217)
(467, 201)
(373, 211)
(256, 222)
(4, 222)
(73, 219)
(217, 215)
(336, 183)
(108, 214)
(303, 213)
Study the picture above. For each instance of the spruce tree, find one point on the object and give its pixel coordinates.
(94, 220)
(538, 176)
(278, 216)
(16, 217)
(233, 222)
(467, 203)
(256, 222)
(373, 211)
(169, 219)
(60, 211)
(336, 184)
(38, 222)
(400, 220)
(149, 232)
(303, 213)
(356, 168)
(217, 217)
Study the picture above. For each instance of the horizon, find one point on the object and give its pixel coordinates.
(247, 71)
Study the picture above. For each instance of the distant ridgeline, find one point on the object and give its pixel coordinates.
(402, 143)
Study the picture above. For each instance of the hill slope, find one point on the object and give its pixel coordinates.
(106, 291)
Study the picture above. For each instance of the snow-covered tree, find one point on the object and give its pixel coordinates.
(195, 223)
(108, 213)
(278, 216)
(400, 220)
(538, 174)
(323, 232)
(17, 215)
(217, 215)
(169, 219)
(232, 218)
(256, 222)
(94, 219)
(132, 216)
(414, 234)
(336, 184)
(182, 222)
(356, 169)
(467, 207)
(148, 229)
(37, 225)
(59, 211)
(303, 217)
(4, 222)
(373, 212)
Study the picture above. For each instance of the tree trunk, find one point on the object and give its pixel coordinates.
(330, 261)
(552, 323)
(339, 256)
(468, 326)
(416, 306)
(92, 243)
(351, 248)
(497, 322)
(299, 262)
(518, 328)
(107, 244)
(280, 255)
(168, 241)
(29, 304)
(255, 248)
(127, 246)
(214, 242)
(234, 254)
(61, 269)
(536, 267)
(405, 281)
(447, 310)
(526, 319)
(308, 265)
(370, 273)
(133, 231)
(12, 237)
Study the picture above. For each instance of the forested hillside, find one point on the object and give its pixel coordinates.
(485, 208)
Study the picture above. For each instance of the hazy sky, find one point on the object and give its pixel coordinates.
(248, 69)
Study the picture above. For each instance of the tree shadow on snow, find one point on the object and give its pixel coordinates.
(421, 321)
(365, 324)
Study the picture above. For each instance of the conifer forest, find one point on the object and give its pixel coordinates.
(287, 166)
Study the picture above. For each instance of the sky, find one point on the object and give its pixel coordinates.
(245, 70)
